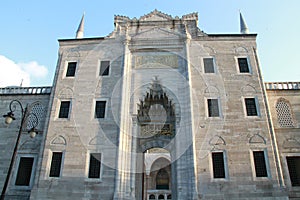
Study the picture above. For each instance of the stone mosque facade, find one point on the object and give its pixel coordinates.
(158, 109)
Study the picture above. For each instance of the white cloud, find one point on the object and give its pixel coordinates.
(13, 74)
(34, 69)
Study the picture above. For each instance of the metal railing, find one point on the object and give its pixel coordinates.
(283, 86)
(25, 90)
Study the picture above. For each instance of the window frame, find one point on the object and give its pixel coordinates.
(67, 67)
(267, 164)
(286, 170)
(93, 110)
(105, 109)
(258, 113)
(226, 172)
(214, 64)
(16, 169)
(59, 108)
(207, 108)
(238, 66)
(88, 160)
(61, 164)
(109, 68)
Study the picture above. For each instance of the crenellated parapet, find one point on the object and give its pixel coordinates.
(185, 25)
(158, 14)
(155, 15)
(120, 18)
(191, 16)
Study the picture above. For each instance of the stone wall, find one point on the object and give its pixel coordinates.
(233, 132)
(36, 100)
(171, 51)
(287, 133)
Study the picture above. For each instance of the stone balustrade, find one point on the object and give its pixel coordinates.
(159, 194)
(282, 85)
(25, 90)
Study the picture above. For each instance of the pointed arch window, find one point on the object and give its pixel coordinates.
(284, 114)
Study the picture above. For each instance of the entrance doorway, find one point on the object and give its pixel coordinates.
(157, 174)
(156, 129)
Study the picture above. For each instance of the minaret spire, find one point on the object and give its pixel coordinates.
(80, 30)
(244, 27)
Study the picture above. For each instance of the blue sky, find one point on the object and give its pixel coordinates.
(30, 30)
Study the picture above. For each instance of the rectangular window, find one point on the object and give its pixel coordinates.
(64, 109)
(104, 68)
(95, 165)
(293, 163)
(260, 163)
(218, 164)
(24, 171)
(250, 104)
(100, 109)
(208, 65)
(55, 164)
(243, 65)
(71, 69)
(213, 107)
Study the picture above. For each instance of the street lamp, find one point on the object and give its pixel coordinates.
(9, 117)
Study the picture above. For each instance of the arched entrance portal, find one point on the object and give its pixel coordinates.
(157, 174)
(156, 129)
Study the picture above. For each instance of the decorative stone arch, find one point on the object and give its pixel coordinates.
(154, 144)
(217, 143)
(73, 53)
(241, 50)
(257, 139)
(30, 145)
(217, 140)
(97, 140)
(211, 91)
(159, 158)
(285, 115)
(59, 141)
(159, 176)
(65, 93)
(291, 143)
(156, 114)
(209, 50)
(248, 90)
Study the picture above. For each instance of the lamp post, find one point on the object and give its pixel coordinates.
(9, 117)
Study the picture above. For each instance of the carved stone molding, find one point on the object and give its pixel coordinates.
(59, 140)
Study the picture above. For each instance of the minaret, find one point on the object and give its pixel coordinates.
(244, 27)
(79, 33)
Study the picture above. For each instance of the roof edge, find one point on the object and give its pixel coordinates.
(233, 35)
(81, 39)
